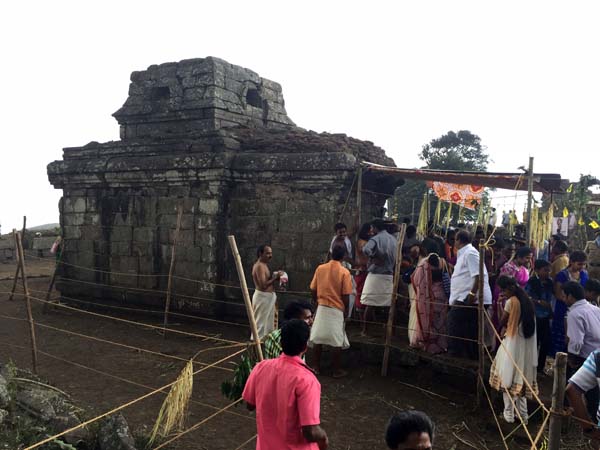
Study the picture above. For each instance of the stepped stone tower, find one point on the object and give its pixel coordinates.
(214, 139)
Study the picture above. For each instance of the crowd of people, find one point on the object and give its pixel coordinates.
(535, 307)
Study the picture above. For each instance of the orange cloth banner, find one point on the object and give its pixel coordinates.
(466, 195)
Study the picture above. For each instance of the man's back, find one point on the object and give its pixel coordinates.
(382, 248)
(287, 397)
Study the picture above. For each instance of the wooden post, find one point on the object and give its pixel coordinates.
(172, 268)
(529, 200)
(480, 325)
(28, 303)
(392, 312)
(246, 294)
(14, 287)
(558, 396)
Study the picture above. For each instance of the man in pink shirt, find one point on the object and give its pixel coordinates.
(287, 396)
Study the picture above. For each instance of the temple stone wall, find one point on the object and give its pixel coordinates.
(230, 169)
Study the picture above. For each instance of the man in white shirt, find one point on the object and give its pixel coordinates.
(583, 333)
(587, 378)
(462, 317)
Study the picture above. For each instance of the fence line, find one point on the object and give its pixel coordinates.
(117, 377)
(152, 311)
(130, 347)
(142, 324)
(125, 405)
(197, 425)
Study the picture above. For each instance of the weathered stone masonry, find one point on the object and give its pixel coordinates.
(216, 139)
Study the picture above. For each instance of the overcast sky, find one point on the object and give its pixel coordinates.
(523, 75)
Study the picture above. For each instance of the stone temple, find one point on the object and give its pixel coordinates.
(214, 139)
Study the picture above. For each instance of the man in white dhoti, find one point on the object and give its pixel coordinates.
(381, 250)
(331, 287)
(264, 298)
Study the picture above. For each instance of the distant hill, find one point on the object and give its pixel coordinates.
(48, 226)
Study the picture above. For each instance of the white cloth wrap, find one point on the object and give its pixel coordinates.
(377, 290)
(329, 328)
(263, 304)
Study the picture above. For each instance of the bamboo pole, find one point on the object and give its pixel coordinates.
(392, 312)
(28, 303)
(359, 186)
(480, 325)
(172, 268)
(558, 396)
(18, 271)
(529, 200)
(246, 294)
(53, 280)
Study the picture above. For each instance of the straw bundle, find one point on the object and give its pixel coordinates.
(173, 411)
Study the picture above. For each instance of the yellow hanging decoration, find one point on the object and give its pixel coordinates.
(548, 224)
(423, 218)
(570, 188)
(448, 216)
(581, 222)
(565, 212)
(480, 215)
(594, 225)
(438, 212)
(536, 231)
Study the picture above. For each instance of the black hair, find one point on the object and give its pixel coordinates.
(411, 231)
(499, 242)
(540, 264)
(451, 233)
(578, 256)
(523, 252)
(574, 289)
(261, 249)
(429, 245)
(294, 337)
(527, 318)
(338, 251)
(295, 310)
(463, 236)
(560, 246)
(364, 231)
(339, 226)
(593, 285)
(379, 224)
(404, 423)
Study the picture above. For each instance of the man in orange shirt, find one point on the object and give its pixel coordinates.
(331, 287)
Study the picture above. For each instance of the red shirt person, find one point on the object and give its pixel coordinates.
(287, 396)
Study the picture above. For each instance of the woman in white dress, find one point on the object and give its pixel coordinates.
(514, 369)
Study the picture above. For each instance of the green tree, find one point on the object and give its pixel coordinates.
(460, 150)
(455, 151)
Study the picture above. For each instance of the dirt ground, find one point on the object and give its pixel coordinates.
(354, 410)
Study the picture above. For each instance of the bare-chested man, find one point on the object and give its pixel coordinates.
(264, 298)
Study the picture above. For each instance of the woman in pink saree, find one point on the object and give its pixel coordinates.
(431, 303)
